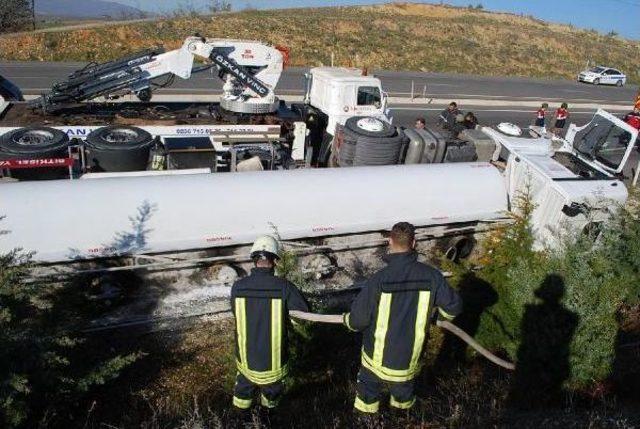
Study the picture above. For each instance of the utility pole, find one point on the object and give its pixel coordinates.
(33, 13)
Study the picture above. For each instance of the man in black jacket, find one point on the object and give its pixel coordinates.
(261, 304)
(392, 311)
(447, 118)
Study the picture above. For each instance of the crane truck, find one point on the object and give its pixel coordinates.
(248, 121)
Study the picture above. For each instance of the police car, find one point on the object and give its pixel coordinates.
(603, 76)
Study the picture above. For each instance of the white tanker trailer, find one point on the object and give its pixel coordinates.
(68, 220)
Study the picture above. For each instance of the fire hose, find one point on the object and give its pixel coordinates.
(442, 324)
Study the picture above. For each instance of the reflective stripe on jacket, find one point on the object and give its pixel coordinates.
(393, 311)
(260, 304)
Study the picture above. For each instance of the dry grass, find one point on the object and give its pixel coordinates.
(187, 383)
(398, 36)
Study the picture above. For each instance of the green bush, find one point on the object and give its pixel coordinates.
(575, 291)
(43, 367)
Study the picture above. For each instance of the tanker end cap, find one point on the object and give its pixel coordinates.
(266, 246)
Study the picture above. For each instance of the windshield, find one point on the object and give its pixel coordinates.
(604, 142)
(596, 70)
(369, 96)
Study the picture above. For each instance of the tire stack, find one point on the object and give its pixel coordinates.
(118, 148)
(347, 151)
(35, 143)
(370, 141)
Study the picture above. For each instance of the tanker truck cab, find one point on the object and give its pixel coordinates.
(335, 94)
(576, 187)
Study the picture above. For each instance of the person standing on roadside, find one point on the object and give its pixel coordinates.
(447, 118)
(541, 115)
(393, 311)
(561, 118)
(470, 121)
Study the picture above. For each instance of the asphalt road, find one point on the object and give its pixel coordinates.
(37, 77)
(407, 114)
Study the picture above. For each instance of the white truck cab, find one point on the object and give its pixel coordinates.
(336, 94)
(576, 187)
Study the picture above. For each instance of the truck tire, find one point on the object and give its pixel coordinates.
(118, 148)
(347, 153)
(34, 142)
(378, 151)
(369, 127)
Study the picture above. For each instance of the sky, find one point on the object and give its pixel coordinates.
(621, 16)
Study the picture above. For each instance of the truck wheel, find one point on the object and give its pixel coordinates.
(460, 248)
(378, 151)
(369, 127)
(144, 95)
(119, 137)
(118, 148)
(34, 142)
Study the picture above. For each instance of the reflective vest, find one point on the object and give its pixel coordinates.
(260, 304)
(393, 311)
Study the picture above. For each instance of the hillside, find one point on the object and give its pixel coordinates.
(86, 9)
(393, 36)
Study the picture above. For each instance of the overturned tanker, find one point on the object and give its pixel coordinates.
(105, 215)
(92, 218)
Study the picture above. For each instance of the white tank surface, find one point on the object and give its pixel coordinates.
(66, 220)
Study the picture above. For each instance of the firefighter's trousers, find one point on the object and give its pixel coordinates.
(244, 392)
(369, 388)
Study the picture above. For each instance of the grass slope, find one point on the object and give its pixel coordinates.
(397, 36)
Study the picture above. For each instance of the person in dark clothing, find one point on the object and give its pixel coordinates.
(470, 121)
(420, 124)
(447, 118)
(457, 127)
(260, 305)
(393, 311)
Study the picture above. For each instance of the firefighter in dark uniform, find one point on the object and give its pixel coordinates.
(393, 311)
(260, 304)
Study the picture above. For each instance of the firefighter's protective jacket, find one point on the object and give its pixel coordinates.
(260, 304)
(393, 310)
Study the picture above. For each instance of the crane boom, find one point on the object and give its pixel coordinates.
(250, 71)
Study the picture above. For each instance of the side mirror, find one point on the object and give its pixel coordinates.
(385, 101)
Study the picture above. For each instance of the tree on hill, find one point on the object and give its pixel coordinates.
(216, 6)
(15, 15)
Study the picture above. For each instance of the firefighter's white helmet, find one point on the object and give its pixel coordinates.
(266, 246)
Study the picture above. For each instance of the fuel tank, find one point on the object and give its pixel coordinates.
(65, 220)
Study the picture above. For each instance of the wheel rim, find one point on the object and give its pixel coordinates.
(34, 138)
(371, 124)
(120, 135)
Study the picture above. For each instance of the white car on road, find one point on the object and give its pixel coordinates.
(603, 76)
